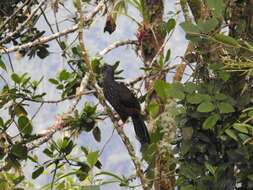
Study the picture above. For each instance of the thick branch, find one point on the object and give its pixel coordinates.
(115, 45)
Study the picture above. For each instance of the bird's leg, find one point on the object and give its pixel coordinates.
(120, 123)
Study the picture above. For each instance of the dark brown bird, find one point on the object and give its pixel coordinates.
(125, 103)
(110, 25)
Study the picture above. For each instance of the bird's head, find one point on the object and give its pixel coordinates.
(107, 71)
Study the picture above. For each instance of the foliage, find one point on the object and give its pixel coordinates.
(202, 129)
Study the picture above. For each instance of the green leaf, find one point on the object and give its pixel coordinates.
(161, 88)
(225, 76)
(176, 91)
(1, 122)
(76, 51)
(2, 64)
(231, 134)
(190, 87)
(64, 75)
(153, 108)
(206, 107)
(208, 25)
(92, 158)
(48, 152)
(24, 125)
(189, 28)
(241, 127)
(216, 6)
(90, 187)
(19, 151)
(187, 187)
(170, 25)
(38, 172)
(227, 40)
(15, 78)
(194, 98)
(95, 65)
(167, 57)
(53, 81)
(67, 145)
(97, 134)
(220, 96)
(211, 121)
(211, 169)
(225, 107)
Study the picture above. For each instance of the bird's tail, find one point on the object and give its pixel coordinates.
(141, 130)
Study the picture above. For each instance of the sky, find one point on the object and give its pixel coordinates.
(114, 158)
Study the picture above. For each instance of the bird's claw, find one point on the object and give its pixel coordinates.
(120, 123)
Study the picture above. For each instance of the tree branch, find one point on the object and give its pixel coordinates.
(43, 40)
(115, 45)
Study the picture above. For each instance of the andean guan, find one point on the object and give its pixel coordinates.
(124, 103)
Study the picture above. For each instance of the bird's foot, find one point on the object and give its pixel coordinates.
(120, 123)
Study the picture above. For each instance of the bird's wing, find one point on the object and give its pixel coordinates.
(127, 98)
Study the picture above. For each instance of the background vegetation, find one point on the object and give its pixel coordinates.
(200, 123)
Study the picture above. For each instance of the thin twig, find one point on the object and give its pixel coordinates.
(43, 40)
(21, 27)
(14, 14)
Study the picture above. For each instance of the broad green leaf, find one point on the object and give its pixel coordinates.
(208, 25)
(211, 121)
(231, 133)
(206, 107)
(225, 107)
(162, 88)
(225, 76)
(220, 96)
(170, 25)
(37, 172)
(190, 28)
(194, 98)
(64, 75)
(190, 87)
(92, 158)
(15, 78)
(241, 127)
(24, 125)
(176, 91)
(216, 6)
(227, 40)
(19, 150)
(2, 64)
